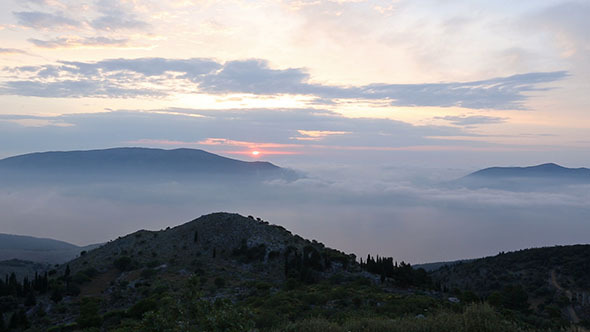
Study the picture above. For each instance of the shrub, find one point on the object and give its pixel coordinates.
(89, 316)
(219, 282)
(141, 307)
(123, 263)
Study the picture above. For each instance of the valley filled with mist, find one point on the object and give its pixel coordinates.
(418, 215)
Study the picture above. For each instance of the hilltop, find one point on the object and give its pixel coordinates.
(135, 163)
(245, 247)
(549, 170)
(539, 177)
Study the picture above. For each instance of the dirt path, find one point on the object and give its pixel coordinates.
(572, 313)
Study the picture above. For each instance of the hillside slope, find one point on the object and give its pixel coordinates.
(226, 272)
(552, 281)
(245, 246)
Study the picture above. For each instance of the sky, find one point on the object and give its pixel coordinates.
(470, 77)
(355, 93)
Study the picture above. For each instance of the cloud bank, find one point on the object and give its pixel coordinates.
(151, 77)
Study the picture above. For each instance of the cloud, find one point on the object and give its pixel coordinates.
(189, 68)
(568, 24)
(468, 120)
(317, 135)
(256, 77)
(115, 15)
(75, 89)
(115, 78)
(11, 51)
(41, 20)
(77, 42)
(271, 130)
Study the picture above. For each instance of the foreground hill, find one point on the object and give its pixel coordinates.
(226, 272)
(244, 247)
(551, 282)
(39, 250)
(526, 178)
(134, 163)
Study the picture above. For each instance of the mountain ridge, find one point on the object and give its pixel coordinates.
(548, 176)
(547, 169)
(38, 250)
(136, 162)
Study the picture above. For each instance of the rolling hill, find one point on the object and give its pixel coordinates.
(128, 164)
(543, 176)
(38, 250)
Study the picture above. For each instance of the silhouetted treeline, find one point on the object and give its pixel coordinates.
(402, 274)
(10, 286)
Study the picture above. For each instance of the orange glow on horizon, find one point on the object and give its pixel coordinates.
(255, 153)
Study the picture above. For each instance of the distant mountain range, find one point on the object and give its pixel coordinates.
(135, 163)
(39, 250)
(525, 178)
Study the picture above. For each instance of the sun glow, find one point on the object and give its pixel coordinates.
(255, 153)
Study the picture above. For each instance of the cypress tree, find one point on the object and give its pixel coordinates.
(13, 323)
(56, 295)
(30, 300)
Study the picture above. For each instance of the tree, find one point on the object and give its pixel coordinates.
(123, 263)
(19, 319)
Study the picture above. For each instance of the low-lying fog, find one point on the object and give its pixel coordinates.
(410, 214)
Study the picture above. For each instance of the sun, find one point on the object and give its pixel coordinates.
(255, 153)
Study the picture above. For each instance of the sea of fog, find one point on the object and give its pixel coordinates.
(411, 214)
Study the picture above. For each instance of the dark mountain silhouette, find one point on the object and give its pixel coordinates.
(525, 178)
(134, 163)
(40, 250)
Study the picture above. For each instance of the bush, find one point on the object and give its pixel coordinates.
(219, 282)
(148, 273)
(123, 263)
(141, 307)
(89, 316)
